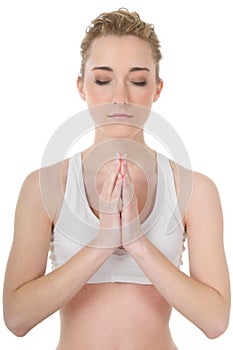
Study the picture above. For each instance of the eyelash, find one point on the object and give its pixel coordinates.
(137, 83)
(99, 82)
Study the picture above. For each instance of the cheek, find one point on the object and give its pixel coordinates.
(95, 95)
(144, 98)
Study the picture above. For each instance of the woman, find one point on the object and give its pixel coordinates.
(115, 288)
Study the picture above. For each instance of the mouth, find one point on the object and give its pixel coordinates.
(120, 116)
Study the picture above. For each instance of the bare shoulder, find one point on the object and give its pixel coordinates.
(205, 205)
(196, 192)
(199, 181)
(203, 185)
(45, 188)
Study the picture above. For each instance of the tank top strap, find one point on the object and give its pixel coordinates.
(170, 193)
(167, 173)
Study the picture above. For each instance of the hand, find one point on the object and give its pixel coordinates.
(109, 235)
(131, 227)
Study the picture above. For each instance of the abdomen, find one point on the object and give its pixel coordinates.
(116, 316)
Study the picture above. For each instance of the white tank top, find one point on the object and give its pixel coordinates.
(77, 225)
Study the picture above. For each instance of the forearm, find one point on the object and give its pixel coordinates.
(198, 302)
(38, 299)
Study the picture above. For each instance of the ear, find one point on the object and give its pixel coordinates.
(80, 88)
(158, 90)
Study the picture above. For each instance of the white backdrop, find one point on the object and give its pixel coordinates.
(39, 65)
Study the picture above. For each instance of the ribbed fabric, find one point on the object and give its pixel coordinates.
(77, 225)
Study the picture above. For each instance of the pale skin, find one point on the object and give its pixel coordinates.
(95, 316)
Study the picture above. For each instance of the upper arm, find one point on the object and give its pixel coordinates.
(204, 225)
(32, 233)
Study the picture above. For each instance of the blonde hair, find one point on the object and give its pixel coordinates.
(120, 23)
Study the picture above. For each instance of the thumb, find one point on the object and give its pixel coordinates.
(127, 191)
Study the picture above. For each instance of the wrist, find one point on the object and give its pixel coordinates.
(138, 246)
(107, 239)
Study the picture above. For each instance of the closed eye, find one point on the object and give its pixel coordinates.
(102, 82)
(139, 83)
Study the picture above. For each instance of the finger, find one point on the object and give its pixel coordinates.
(129, 213)
(110, 179)
(116, 194)
(123, 169)
(114, 204)
(127, 191)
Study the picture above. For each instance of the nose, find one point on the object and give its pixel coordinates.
(120, 93)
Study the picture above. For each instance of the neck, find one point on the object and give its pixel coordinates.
(115, 142)
(105, 147)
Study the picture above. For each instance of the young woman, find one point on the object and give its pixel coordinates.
(115, 288)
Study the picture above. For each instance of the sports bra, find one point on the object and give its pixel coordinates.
(77, 225)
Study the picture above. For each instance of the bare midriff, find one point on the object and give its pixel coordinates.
(116, 316)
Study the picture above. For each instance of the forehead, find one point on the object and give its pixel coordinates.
(125, 50)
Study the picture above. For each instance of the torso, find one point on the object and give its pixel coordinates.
(117, 316)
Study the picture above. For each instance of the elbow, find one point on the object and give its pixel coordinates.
(216, 329)
(218, 321)
(17, 330)
(15, 317)
(16, 327)
(214, 333)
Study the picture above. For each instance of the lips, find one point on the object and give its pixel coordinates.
(120, 116)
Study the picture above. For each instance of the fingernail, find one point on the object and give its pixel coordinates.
(116, 161)
(124, 155)
(117, 155)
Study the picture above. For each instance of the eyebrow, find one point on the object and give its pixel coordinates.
(133, 69)
(103, 68)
